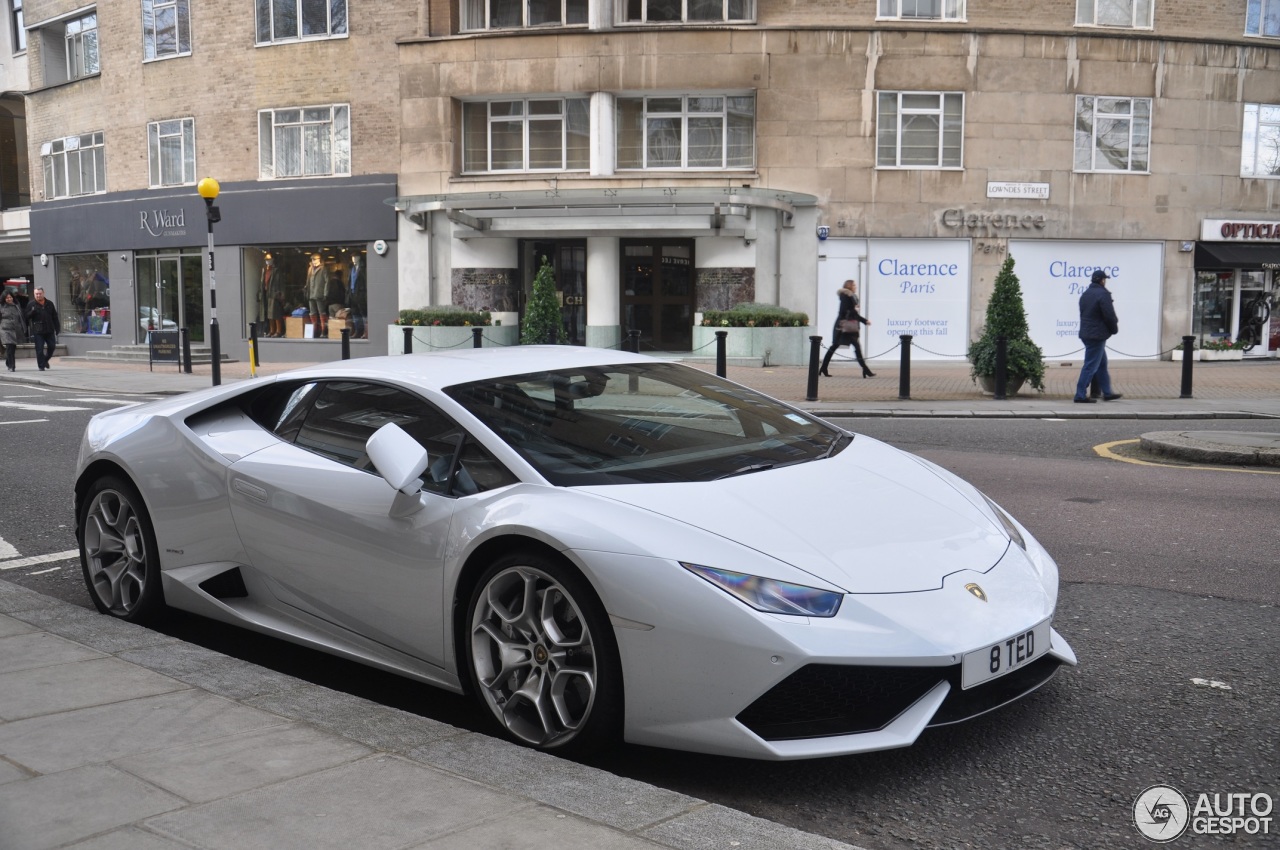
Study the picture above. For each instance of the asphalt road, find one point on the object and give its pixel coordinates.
(1169, 598)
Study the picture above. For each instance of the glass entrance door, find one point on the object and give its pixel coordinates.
(568, 258)
(170, 294)
(658, 293)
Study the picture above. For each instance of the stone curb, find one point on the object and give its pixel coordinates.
(1176, 444)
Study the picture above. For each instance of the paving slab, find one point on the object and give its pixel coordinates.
(537, 828)
(64, 687)
(40, 649)
(129, 838)
(10, 626)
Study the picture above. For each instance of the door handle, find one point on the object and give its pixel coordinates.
(253, 491)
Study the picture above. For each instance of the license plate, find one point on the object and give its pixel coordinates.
(983, 665)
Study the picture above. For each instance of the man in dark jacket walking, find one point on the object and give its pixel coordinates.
(1098, 323)
(42, 322)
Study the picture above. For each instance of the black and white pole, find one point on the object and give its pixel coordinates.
(208, 189)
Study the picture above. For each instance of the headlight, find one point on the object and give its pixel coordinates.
(774, 597)
(1009, 526)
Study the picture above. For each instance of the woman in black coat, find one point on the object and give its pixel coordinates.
(846, 329)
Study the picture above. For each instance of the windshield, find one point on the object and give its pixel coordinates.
(643, 423)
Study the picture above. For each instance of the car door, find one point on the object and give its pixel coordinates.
(316, 518)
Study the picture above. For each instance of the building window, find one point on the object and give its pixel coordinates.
(172, 147)
(922, 10)
(74, 166)
(292, 20)
(19, 28)
(1260, 146)
(919, 129)
(84, 293)
(685, 11)
(1263, 18)
(1113, 134)
(283, 288)
(1114, 13)
(309, 141)
(500, 14)
(82, 46)
(526, 135)
(166, 28)
(693, 131)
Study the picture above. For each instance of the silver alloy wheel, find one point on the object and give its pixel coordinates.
(116, 552)
(533, 656)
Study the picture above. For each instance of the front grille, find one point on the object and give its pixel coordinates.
(963, 705)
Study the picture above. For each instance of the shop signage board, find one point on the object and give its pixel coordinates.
(164, 347)
(918, 287)
(1053, 274)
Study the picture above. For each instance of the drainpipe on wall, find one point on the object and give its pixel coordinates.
(777, 257)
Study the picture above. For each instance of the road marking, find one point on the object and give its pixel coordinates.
(1105, 450)
(6, 550)
(70, 554)
(116, 401)
(39, 408)
(42, 572)
(23, 421)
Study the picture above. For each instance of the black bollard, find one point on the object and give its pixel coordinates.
(477, 337)
(253, 337)
(1002, 368)
(634, 336)
(1187, 343)
(346, 343)
(722, 338)
(904, 370)
(186, 350)
(551, 336)
(408, 340)
(815, 355)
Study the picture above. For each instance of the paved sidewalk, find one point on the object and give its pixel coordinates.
(116, 736)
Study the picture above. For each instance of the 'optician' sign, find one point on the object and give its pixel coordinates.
(918, 287)
(1053, 275)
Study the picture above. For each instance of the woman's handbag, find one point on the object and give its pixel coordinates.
(849, 326)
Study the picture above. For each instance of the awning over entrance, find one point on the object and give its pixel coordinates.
(1236, 255)
(672, 211)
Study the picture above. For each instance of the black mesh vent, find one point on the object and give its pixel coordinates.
(228, 585)
(820, 700)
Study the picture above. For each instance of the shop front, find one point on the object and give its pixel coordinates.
(1237, 286)
(295, 263)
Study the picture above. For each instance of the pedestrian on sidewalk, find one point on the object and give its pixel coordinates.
(13, 329)
(1098, 323)
(42, 323)
(847, 330)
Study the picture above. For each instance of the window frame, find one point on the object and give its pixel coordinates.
(527, 119)
(57, 161)
(1134, 120)
(1260, 13)
(944, 97)
(1252, 127)
(339, 153)
(892, 10)
(1091, 18)
(485, 8)
(186, 134)
(151, 33)
(622, 13)
(74, 45)
(264, 31)
(684, 115)
(17, 22)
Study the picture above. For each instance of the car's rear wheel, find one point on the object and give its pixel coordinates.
(541, 655)
(118, 551)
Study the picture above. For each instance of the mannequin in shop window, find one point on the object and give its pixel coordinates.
(272, 294)
(358, 297)
(317, 300)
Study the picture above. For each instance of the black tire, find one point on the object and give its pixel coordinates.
(118, 552)
(558, 684)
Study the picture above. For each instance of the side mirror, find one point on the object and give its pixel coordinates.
(399, 458)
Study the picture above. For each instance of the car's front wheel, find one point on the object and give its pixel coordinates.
(541, 655)
(118, 551)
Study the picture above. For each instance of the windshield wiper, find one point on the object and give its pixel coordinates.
(744, 470)
(840, 438)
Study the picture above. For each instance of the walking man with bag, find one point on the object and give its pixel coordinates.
(42, 323)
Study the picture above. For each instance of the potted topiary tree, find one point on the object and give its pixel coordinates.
(1007, 317)
(542, 316)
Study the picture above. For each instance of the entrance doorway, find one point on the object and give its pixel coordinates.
(658, 292)
(170, 292)
(568, 258)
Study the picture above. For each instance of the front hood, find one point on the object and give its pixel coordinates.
(872, 519)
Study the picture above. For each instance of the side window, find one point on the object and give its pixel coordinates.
(281, 408)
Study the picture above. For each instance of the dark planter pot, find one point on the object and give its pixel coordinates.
(1011, 386)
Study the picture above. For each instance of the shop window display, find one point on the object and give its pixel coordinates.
(84, 293)
(306, 292)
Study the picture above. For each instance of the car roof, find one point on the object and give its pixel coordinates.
(438, 369)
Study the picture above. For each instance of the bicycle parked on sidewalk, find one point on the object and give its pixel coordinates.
(1253, 319)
